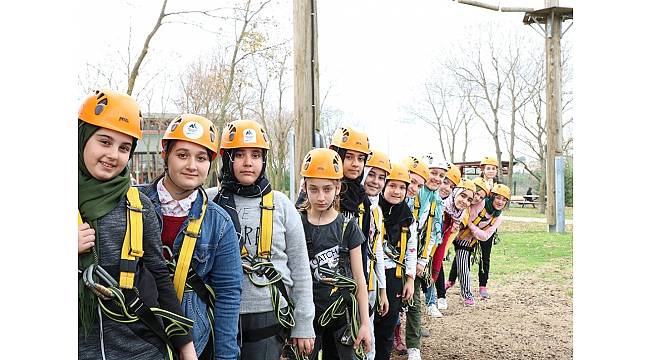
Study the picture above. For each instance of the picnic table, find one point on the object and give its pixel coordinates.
(524, 200)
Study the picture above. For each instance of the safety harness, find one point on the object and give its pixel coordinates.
(481, 217)
(423, 244)
(374, 242)
(262, 273)
(185, 278)
(120, 301)
(475, 250)
(398, 256)
(346, 303)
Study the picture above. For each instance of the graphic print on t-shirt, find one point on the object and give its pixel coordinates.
(328, 258)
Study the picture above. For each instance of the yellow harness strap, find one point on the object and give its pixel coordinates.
(79, 221)
(187, 249)
(427, 234)
(132, 245)
(265, 240)
(416, 207)
(362, 211)
(476, 221)
(463, 222)
(378, 236)
(402, 251)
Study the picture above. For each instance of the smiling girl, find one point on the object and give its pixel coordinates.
(119, 239)
(377, 168)
(489, 170)
(189, 148)
(484, 220)
(482, 190)
(400, 255)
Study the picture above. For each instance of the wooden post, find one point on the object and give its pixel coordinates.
(553, 109)
(305, 82)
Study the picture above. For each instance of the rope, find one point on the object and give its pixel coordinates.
(346, 304)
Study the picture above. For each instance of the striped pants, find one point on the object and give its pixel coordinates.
(463, 266)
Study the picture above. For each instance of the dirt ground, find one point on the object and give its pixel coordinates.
(528, 317)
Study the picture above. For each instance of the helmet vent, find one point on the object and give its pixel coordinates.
(307, 162)
(100, 106)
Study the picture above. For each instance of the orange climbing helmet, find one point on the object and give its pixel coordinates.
(378, 160)
(351, 139)
(481, 183)
(192, 128)
(322, 164)
(112, 110)
(488, 160)
(453, 174)
(416, 166)
(399, 172)
(243, 133)
(467, 184)
(502, 190)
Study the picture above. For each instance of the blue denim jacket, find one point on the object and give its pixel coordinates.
(218, 255)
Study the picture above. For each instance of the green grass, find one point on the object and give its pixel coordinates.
(519, 252)
(527, 211)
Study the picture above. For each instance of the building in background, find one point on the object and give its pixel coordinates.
(147, 163)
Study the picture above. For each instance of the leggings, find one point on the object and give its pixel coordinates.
(385, 325)
(464, 273)
(484, 267)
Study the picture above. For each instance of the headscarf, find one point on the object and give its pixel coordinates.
(395, 214)
(489, 206)
(96, 199)
(352, 191)
(230, 186)
(450, 207)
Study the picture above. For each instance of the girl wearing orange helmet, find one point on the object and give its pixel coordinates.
(482, 190)
(334, 247)
(456, 215)
(400, 255)
(438, 298)
(353, 147)
(484, 220)
(189, 146)
(377, 168)
(277, 299)
(113, 321)
(489, 171)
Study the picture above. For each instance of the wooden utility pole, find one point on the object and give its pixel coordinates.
(552, 17)
(305, 82)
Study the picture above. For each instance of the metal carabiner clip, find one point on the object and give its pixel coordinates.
(98, 289)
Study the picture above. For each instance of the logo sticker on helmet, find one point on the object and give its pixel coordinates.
(250, 136)
(193, 130)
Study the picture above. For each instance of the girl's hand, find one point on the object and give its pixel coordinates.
(383, 302)
(304, 345)
(407, 292)
(85, 238)
(187, 351)
(364, 335)
(419, 269)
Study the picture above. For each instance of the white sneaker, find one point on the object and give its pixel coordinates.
(442, 304)
(414, 354)
(433, 311)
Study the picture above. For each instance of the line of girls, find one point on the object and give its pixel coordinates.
(165, 272)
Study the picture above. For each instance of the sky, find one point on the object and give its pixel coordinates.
(374, 57)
